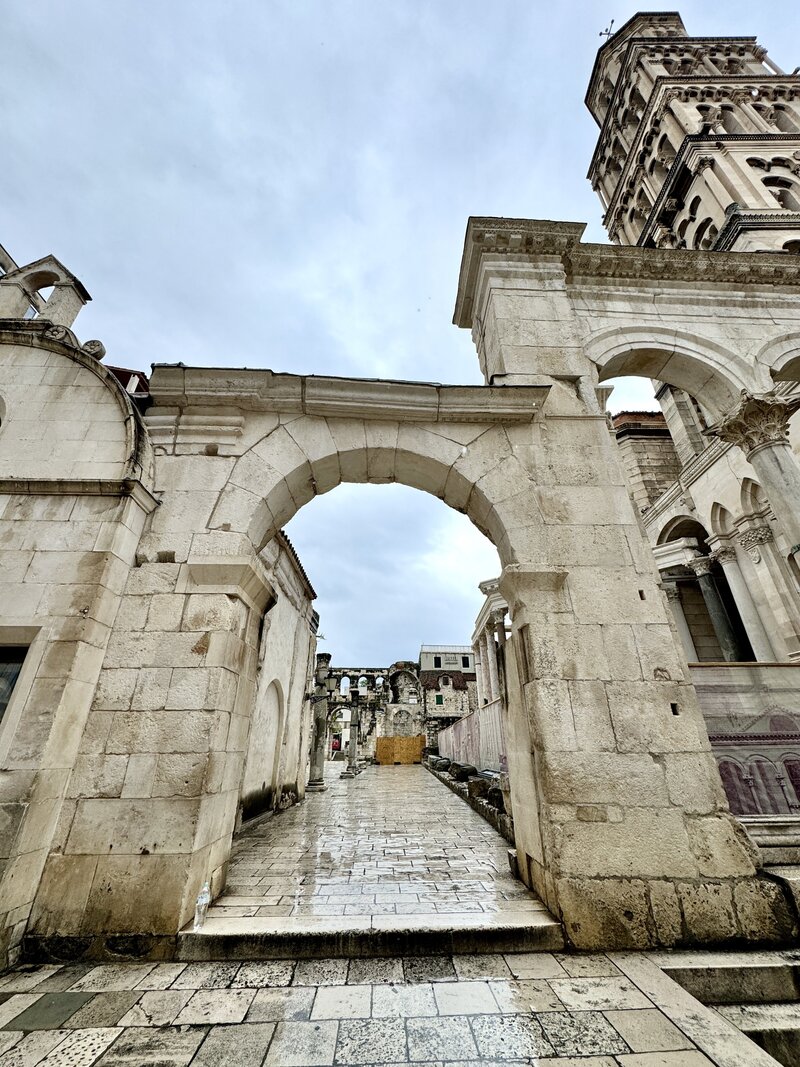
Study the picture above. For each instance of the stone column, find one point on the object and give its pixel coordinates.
(685, 634)
(316, 781)
(748, 612)
(491, 656)
(759, 425)
(499, 623)
(716, 609)
(479, 678)
(758, 543)
(352, 757)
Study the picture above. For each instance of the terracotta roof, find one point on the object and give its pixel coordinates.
(284, 541)
(432, 679)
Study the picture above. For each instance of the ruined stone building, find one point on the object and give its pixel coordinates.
(387, 702)
(141, 558)
(407, 699)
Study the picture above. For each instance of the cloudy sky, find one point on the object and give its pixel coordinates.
(285, 184)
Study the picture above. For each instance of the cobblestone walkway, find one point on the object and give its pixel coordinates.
(393, 841)
(553, 1010)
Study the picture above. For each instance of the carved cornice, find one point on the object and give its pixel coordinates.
(741, 220)
(629, 263)
(757, 421)
(46, 334)
(110, 487)
(176, 386)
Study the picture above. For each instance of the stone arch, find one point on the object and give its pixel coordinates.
(752, 497)
(263, 764)
(781, 356)
(107, 431)
(721, 520)
(681, 526)
(310, 455)
(707, 371)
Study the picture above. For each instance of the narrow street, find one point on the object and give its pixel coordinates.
(392, 842)
(386, 864)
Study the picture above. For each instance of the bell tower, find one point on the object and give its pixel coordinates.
(699, 142)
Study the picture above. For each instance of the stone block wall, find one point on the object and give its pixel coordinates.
(72, 508)
(648, 455)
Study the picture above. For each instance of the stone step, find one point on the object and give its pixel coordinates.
(774, 1027)
(309, 937)
(739, 979)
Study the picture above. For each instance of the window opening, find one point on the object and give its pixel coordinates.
(11, 660)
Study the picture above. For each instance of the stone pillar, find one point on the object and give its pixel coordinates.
(620, 820)
(748, 612)
(316, 781)
(491, 656)
(352, 754)
(480, 681)
(182, 729)
(758, 543)
(499, 623)
(759, 425)
(716, 609)
(685, 634)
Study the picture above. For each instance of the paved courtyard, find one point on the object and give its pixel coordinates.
(392, 842)
(393, 845)
(553, 1010)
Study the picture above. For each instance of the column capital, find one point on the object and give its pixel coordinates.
(701, 565)
(724, 554)
(757, 420)
(672, 591)
(752, 538)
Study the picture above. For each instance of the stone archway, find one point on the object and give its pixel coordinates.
(615, 792)
(261, 777)
(713, 374)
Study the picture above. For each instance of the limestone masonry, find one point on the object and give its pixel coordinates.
(158, 681)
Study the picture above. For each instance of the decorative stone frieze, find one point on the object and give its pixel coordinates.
(751, 539)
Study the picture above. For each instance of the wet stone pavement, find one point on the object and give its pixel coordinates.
(393, 838)
(549, 1009)
(393, 841)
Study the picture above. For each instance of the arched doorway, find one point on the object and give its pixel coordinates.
(261, 785)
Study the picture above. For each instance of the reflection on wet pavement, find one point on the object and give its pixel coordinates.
(393, 841)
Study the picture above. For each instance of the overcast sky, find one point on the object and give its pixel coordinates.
(286, 184)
